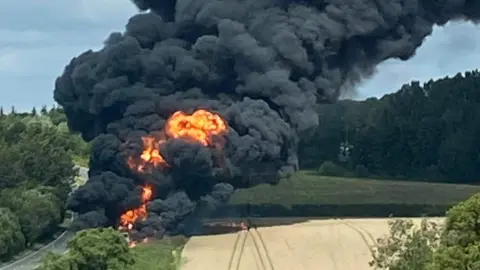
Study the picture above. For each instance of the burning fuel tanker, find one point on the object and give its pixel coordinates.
(197, 98)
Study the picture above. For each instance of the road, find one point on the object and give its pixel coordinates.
(59, 245)
(329, 244)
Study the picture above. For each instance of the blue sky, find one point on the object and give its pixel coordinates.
(38, 38)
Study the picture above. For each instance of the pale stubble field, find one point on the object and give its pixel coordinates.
(332, 244)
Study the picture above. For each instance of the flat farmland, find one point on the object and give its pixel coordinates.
(329, 244)
(310, 238)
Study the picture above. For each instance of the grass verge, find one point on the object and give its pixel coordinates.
(162, 254)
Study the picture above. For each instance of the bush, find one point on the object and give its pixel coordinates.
(328, 168)
(39, 211)
(93, 249)
(406, 247)
(361, 171)
(454, 246)
(460, 246)
(12, 240)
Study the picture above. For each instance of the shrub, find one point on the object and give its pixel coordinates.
(328, 168)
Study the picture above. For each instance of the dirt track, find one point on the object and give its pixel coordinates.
(334, 244)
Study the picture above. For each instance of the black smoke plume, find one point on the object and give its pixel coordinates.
(261, 64)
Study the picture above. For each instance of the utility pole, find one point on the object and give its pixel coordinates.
(345, 149)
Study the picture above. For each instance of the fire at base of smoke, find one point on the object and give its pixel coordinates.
(260, 65)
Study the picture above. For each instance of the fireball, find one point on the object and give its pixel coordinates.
(197, 127)
(201, 127)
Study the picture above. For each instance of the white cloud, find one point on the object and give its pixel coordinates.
(449, 50)
(104, 11)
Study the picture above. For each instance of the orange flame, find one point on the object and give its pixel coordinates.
(199, 127)
(128, 218)
(150, 155)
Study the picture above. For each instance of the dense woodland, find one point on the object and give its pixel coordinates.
(424, 132)
(37, 171)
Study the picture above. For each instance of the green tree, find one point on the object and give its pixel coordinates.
(12, 240)
(12, 130)
(44, 110)
(10, 167)
(36, 171)
(94, 249)
(38, 211)
(407, 247)
(57, 115)
(460, 247)
(58, 169)
(425, 132)
(454, 246)
(329, 168)
(54, 261)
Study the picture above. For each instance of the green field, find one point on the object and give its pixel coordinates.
(308, 188)
(159, 254)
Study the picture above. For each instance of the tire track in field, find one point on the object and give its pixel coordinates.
(364, 234)
(262, 249)
(237, 250)
(260, 252)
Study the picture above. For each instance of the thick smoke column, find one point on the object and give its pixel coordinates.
(262, 65)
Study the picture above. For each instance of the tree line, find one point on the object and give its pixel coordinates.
(37, 172)
(426, 132)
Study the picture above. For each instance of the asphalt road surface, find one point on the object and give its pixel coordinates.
(59, 245)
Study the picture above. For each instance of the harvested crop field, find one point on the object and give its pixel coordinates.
(330, 244)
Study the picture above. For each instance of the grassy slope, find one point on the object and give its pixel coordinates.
(159, 254)
(309, 188)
